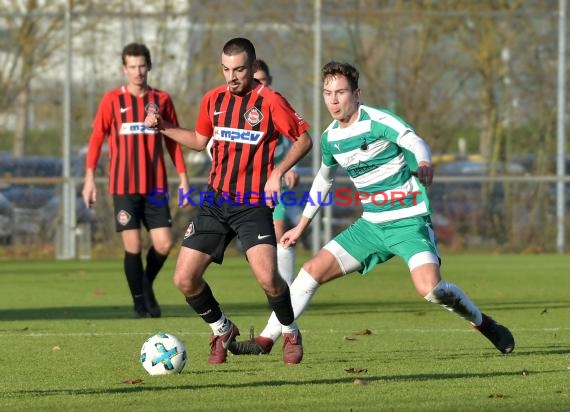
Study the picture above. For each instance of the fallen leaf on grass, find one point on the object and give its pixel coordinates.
(421, 313)
(356, 370)
(363, 332)
(99, 292)
(360, 382)
(545, 310)
(55, 349)
(498, 395)
(133, 381)
(349, 338)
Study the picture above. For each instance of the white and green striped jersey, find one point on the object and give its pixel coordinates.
(373, 152)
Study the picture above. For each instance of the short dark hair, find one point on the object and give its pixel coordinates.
(334, 68)
(261, 65)
(136, 49)
(239, 45)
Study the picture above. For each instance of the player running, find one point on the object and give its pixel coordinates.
(382, 154)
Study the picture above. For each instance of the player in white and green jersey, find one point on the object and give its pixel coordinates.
(383, 155)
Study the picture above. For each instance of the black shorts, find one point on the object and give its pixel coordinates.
(212, 230)
(131, 210)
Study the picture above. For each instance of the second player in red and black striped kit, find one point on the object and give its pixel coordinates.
(244, 118)
(136, 168)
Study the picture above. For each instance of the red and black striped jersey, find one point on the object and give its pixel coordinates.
(136, 156)
(245, 130)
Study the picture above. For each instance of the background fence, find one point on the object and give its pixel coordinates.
(478, 80)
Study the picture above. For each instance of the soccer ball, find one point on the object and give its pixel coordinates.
(163, 354)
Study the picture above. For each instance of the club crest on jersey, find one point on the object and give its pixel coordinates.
(253, 116)
(123, 217)
(189, 231)
(151, 108)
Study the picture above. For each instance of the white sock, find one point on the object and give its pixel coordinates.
(302, 290)
(286, 263)
(289, 329)
(220, 326)
(452, 298)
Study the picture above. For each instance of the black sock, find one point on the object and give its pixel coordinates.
(206, 305)
(134, 271)
(282, 307)
(154, 262)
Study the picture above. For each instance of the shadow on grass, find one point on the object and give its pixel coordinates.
(260, 308)
(272, 383)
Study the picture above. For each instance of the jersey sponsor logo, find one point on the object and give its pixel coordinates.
(359, 169)
(262, 236)
(230, 134)
(218, 112)
(136, 128)
(189, 231)
(124, 109)
(123, 217)
(253, 116)
(151, 108)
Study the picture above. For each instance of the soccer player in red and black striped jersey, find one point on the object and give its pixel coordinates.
(136, 169)
(244, 118)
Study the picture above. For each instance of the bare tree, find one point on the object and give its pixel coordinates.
(32, 35)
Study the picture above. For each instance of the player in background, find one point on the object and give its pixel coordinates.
(381, 153)
(244, 118)
(281, 214)
(136, 168)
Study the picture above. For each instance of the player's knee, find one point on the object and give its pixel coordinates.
(184, 283)
(312, 268)
(163, 247)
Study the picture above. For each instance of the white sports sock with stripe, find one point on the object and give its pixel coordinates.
(452, 298)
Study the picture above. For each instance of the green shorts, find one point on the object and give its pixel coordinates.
(374, 243)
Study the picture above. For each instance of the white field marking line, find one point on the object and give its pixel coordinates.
(308, 331)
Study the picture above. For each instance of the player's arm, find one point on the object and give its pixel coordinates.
(101, 126)
(422, 152)
(320, 188)
(186, 137)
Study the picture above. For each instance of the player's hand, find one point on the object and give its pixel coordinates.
(291, 179)
(89, 194)
(425, 173)
(272, 190)
(153, 121)
(290, 237)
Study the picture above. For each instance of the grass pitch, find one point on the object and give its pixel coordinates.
(68, 343)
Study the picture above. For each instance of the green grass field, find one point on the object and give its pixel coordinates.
(68, 342)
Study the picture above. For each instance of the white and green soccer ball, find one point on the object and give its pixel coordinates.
(163, 354)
